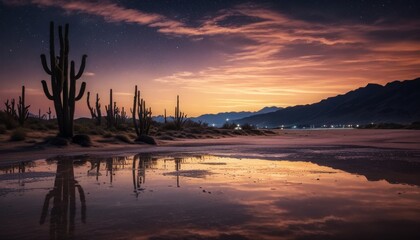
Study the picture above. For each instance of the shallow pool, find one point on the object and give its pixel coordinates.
(200, 197)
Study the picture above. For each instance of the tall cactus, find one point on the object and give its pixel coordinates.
(23, 110)
(63, 82)
(10, 108)
(180, 117)
(144, 114)
(95, 112)
(110, 111)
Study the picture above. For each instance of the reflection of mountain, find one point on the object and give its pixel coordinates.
(395, 102)
(392, 171)
(63, 196)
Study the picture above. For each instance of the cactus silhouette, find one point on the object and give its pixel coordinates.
(49, 113)
(63, 195)
(63, 81)
(10, 108)
(144, 115)
(95, 112)
(180, 117)
(23, 110)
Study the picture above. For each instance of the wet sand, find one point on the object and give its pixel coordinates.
(389, 145)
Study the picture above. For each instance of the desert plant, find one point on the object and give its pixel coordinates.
(247, 126)
(23, 110)
(18, 134)
(144, 115)
(95, 113)
(110, 112)
(10, 108)
(229, 125)
(63, 81)
(180, 117)
(49, 113)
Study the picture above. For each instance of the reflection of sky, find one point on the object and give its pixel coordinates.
(252, 198)
(219, 56)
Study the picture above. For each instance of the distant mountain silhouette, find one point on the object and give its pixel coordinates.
(397, 102)
(220, 118)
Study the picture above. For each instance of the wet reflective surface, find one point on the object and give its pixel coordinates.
(204, 197)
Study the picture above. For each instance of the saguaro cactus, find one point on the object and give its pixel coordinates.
(180, 117)
(144, 115)
(95, 112)
(23, 110)
(63, 82)
(10, 108)
(110, 111)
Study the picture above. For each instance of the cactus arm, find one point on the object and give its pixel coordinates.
(45, 65)
(46, 91)
(81, 91)
(82, 67)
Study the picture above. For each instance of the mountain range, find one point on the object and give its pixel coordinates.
(397, 102)
(218, 119)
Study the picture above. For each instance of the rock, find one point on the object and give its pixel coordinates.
(57, 141)
(82, 139)
(146, 139)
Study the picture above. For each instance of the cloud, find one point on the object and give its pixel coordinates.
(276, 56)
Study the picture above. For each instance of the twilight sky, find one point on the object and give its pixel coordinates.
(217, 55)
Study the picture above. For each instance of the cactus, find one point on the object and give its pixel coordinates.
(63, 197)
(10, 108)
(23, 110)
(110, 111)
(49, 113)
(63, 82)
(180, 117)
(41, 116)
(144, 115)
(165, 116)
(95, 113)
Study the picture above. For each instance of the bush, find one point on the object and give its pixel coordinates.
(229, 125)
(8, 121)
(247, 126)
(122, 138)
(18, 135)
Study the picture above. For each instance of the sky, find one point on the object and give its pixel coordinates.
(217, 55)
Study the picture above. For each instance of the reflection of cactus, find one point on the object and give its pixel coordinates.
(63, 82)
(180, 117)
(139, 172)
(95, 112)
(144, 114)
(63, 211)
(23, 110)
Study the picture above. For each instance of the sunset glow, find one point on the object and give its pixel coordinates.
(218, 56)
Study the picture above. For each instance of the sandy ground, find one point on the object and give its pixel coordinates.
(287, 144)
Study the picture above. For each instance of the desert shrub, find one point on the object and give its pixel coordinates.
(169, 126)
(18, 134)
(107, 135)
(192, 124)
(229, 125)
(247, 126)
(122, 138)
(8, 121)
(3, 129)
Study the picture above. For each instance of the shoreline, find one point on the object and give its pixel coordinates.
(285, 144)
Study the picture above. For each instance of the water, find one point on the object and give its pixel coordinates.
(203, 197)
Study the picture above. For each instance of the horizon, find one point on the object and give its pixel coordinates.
(218, 57)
